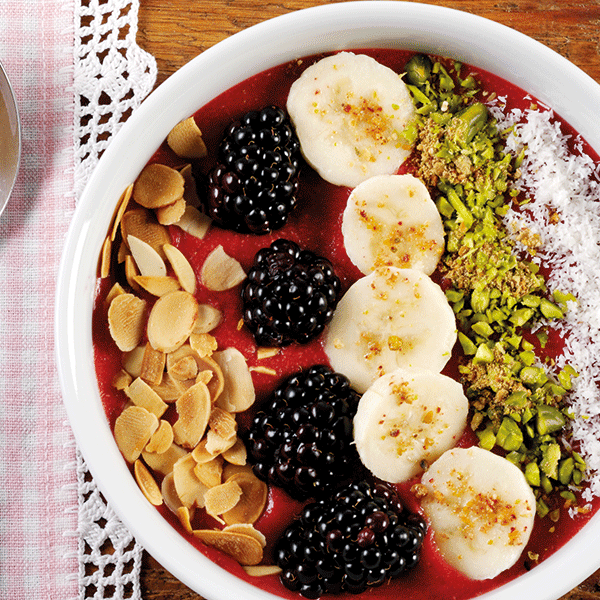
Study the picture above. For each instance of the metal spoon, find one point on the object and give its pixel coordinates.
(10, 139)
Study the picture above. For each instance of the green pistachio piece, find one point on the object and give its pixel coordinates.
(482, 328)
(532, 474)
(550, 310)
(521, 316)
(480, 300)
(470, 121)
(487, 438)
(565, 470)
(418, 69)
(533, 376)
(469, 348)
(509, 436)
(542, 508)
(549, 419)
(550, 458)
(484, 355)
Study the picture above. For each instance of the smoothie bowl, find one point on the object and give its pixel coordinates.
(324, 321)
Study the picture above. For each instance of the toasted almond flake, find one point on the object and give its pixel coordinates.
(141, 394)
(183, 270)
(157, 286)
(126, 320)
(217, 381)
(252, 502)
(147, 483)
(171, 498)
(185, 368)
(131, 272)
(158, 185)
(262, 353)
(201, 454)
(209, 472)
(222, 498)
(190, 193)
(185, 518)
(237, 454)
(123, 252)
(115, 290)
(105, 255)
(188, 487)
(238, 389)
(222, 423)
(204, 376)
(203, 344)
(171, 320)
(217, 444)
(142, 224)
(132, 361)
(133, 429)
(170, 389)
(263, 370)
(220, 271)
(194, 222)
(185, 139)
(121, 380)
(161, 440)
(153, 365)
(170, 214)
(247, 529)
(262, 570)
(121, 208)
(245, 549)
(193, 408)
(230, 469)
(163, 462)
(208, 318)
(147, 259)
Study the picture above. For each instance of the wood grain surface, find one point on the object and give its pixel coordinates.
(175, 31)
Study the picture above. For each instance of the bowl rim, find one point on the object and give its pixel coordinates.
(414, 26)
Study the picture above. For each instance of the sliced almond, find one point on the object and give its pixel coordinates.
(126, 321)
(183, 270)
(185, 368)
(133, 429)
(121, 380)
(158, 185)
(237, 454)
(142, 224)
(220, 271)
(216, 444)
(169, 493)
(115, 290)
(194, 222)
(163, 462)
(208, 318)
(222, 423)
(210, 472)
(161, 440)
(201, 454)
(217, 381)
(121, 208)
(247, 529)
(262, 570)
(238, 390)
(189, 489)
(158, 286)
(141, 394)
(230, 469)
(105, 256)
(244, 549)
(132, 361)
(147, 259)
(170, 389)
(131, 272)
(171, 320)
(252, 502)
(170, 214)
(185, 518)
(193, 408)
(153, 365)
(263, 370)
(203, 344)
(185, 139)
(147, 483)
(222, 498)
(204, 376)
(262, 353)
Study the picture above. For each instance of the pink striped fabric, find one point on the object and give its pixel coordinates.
(38, 491)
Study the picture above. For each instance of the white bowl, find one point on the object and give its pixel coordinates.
(466, 37)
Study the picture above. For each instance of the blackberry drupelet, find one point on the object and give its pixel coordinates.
(253, 186)
(302, 439)
(289, 295)
(359, 538)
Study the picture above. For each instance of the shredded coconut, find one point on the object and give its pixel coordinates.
(564, 189)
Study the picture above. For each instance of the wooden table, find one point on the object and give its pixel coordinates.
(175, 31)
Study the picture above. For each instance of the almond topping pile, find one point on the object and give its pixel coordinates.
(181, 393)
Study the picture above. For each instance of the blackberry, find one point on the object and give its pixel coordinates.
(360, 538)
(302, 439)
(289, 295)
(253, 186)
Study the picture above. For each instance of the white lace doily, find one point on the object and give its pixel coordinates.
(112, 76)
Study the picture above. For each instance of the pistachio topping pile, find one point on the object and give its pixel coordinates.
(499, 296)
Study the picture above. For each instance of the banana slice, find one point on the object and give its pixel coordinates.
(349, 112)
(481, 510)
(391, 220)
(406, 420)
(389, 319)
